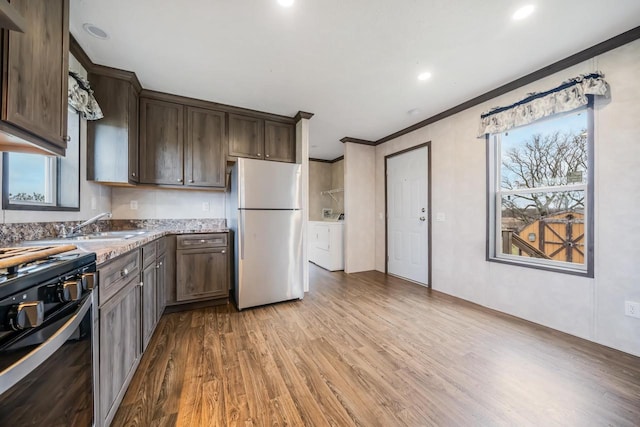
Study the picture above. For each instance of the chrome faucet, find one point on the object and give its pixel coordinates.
(74, 230)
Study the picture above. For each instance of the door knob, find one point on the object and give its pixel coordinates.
(422, 218)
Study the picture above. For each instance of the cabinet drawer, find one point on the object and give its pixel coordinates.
(115, 274)
(195, 241)
(161, 246)
(148, 254)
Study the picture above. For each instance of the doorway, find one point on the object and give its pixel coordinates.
(408, 214)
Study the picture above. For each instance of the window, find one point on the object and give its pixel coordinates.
(38, 182)
(541, 193)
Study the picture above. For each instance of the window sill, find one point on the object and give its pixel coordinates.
(556, 269)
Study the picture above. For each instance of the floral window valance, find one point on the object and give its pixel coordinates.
(569, 96)
(81, 97)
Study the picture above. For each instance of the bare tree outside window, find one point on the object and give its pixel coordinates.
(541, 189)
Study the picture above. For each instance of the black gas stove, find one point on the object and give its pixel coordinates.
(24, 276)
(48, 326)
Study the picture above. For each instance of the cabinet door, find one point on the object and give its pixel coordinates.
(149, 303)
(112, 138)
(119, 346)
(134, 146)
(246, 136)
(161, 142)
(161, 286)
(279, 142)
(202, 273)
(37, 63)
(205, 155)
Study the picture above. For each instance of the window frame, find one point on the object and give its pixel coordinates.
(493, 254)
(54, 183)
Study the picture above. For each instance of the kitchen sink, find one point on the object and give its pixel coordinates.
(102, 236)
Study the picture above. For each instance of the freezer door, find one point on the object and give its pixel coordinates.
(268, 185)
(269, 257)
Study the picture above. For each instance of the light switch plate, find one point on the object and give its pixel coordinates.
(205, 206)
(133, 205)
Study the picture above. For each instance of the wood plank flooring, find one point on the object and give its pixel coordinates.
(371, 350)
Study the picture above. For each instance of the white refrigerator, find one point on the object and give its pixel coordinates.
(265, 214)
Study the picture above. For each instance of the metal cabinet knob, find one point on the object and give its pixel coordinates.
(66, 138)
(133, 174)
(259, 154)
(124, 272)
(26, 315)
(179, 179)
(191, 181)
(223, 252)
(266, 155)
(203, 241)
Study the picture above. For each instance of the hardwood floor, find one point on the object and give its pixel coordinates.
(370, 350)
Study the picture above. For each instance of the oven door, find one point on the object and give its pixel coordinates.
(46, 377)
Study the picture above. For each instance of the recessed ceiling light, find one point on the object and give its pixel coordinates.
(424, 76)
(285, 3)
(96, 32)
(523, 12)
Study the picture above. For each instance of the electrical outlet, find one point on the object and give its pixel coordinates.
(205, 206)
(133, 205)
(632, 308)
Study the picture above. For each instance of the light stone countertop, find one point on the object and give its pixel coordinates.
(108, 250)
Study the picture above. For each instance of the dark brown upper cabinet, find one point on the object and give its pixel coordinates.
(161, 142)
(279, 141)
(34, 79)
(261, 139)
(205, 156)
(246, 136)
(112, 142)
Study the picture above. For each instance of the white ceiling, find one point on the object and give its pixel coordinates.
(353, 63)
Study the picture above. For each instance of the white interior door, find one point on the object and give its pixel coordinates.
(407, 215)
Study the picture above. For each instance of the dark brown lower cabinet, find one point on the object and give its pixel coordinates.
(119, 347)
(202, 267)
(161, 285)
(149, 303)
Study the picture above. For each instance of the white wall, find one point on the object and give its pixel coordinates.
(359, 207)
(319, 181)
(94, 198)
(588, 308)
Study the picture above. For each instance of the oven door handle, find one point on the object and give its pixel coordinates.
(20, 369)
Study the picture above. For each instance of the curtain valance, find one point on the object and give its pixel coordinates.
(81, 97)
(570, 95)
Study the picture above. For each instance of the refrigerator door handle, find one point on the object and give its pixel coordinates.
(241, 232)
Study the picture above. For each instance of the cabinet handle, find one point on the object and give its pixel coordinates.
(141, 284)
(179, 179)
(223, 252)
(266, 155)
(124, 272)
(191, 181)
(259, 154)
(203, 241)
(66, 138)
(133, 174)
